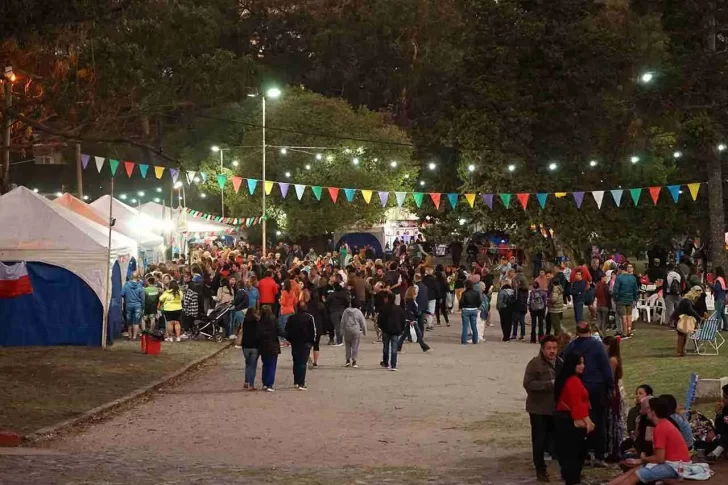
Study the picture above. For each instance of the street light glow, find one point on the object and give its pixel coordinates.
(288, 175)
(393, 164)
(140, 193)
(721, 147)
(677, 154)
(133, 201)
(177, 185)
(85, 197)
(308, 167)
(122, 196)
(471, 168)
(196, 179)
(432, 166)
(634, 159)
(319, 156)
(329, 158)
(422, 183)
(355, 161)
(235, 163)
(157, 200)
(273, 93)
(284, 151)
(593, 163)
(552, 166)
(203, 195)
(511, 168)
(215, 148)
(159, 190)
(647, 77)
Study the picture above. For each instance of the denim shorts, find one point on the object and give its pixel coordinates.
(658, 472)
(133, 315)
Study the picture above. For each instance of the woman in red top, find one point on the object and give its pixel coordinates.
(571, 419)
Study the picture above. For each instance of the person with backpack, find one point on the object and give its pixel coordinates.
(537, 306)
(672, 289)
(504, 305)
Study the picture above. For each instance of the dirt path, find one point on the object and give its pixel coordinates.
(455, 415)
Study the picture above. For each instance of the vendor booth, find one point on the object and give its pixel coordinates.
(68, 261)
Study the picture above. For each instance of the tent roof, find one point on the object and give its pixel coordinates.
(80, 207)
(194, 223)
(129, 221)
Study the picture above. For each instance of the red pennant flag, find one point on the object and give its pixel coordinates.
(523, 199)
(435, 196)
(655, 194)
(129, 167)
(334, 193)
(236, 183)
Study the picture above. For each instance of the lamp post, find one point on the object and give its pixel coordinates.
(216, 148)
(273, 93)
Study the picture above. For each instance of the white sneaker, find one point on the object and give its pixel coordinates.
(178, 339)
(393, 369)
(302, 388)
(270, 389)
(232, 337)
(168, 339)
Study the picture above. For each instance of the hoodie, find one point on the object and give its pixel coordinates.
(133, 293)
(352, 321)
(598, 374)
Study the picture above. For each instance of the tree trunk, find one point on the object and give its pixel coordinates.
(716, 235)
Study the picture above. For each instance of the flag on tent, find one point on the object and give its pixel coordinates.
(367, 194)
(284, 188)
(236, 183)
(349, 193)
(333, 193)
(674, 192)
(84, 160)
(541, 198)
(299, 190)
(488, 199)
(252, 183)
(383, 198)
(143, 170)
(471, 199)
(400, 198)
(598, 197)
(99, 163)
(14, 280)
(435, 196)
(579, 199)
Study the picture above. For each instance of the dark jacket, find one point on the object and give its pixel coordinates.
(538, 381)
(470, 299)
(241, 300)
(301, 328)
(250, 331)
(433, 287)
(392, 319)
(685, 307)
(338, 300)
(423, 296)
(412, 309)
(577, 290)
(598, 374)
(268, 333)
(521, 304)
(318, 311)
(444, 287)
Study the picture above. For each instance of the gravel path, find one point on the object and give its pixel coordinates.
(455, 415)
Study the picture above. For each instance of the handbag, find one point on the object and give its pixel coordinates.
(686, 324)
(413, 333)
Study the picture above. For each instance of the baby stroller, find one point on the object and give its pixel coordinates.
(212, 326)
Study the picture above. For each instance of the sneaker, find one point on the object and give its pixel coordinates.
(428, 351)
(314, 365)
(270, 389)
(232, 337)
(331, 342)
(168, 339)
(178, 339)
(543, 477)
(393, 368)
(296, 386)
(348, 364)
(246, 386)
(354, 365)
(302, 388)
(339, 345)
(265, 388)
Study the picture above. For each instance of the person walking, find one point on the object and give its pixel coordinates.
(577, 291)
(422, 302)
(354, 325)
(555, 306)
(603, 299)
(413, 319)
(444, 289)
(391, 321)
(599, 382)
(288, 302)
(504, 305)
(520, 308)
(301, 334)
(269, 346)
(249, 343)
(133, 295)
(433, 295)
(469, 307)
(537, 306)
(625, 295)
(336, 302)
(538, 381)
(571, 419)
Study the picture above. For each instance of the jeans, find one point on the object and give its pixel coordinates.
(250, 356)
(542, 429)
(570, 447)
(519, 319)
(720, 310)
(506, 321)
(603, 315)
(470, 321)
(596, 439)
(335, 317)
(389, 350)
(133, 314)
(406, 336)
(269, 369)
(282, 320)
(421, 322)
(578, 311)
(300, 353)
(537, 317)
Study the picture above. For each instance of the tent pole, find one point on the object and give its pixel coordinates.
(104, 325)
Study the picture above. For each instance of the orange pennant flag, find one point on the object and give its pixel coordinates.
(435, 196)
(129, 167)
(655, 194)
(334, 193)
(236, 183)
(523, 199)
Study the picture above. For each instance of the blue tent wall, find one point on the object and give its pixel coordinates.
(115, 318)
(63, 310)
(361, 239)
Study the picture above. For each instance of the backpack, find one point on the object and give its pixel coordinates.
(675, 287)
(537, 302)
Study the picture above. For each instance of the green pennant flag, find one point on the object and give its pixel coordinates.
(635, 193)
(418, 196)
(316, 191)
(113, 164)
(221, 181)
(506, 199)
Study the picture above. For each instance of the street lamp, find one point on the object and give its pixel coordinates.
(677, 154)
(552, 166)
(511, 168)
(319, 156)
(593, 163)
(647, 77)
(122, 196)
(235, 163)
(422, 183)
(634, 159)
(432, 166)
(140, 193)
(216, 149)
(271, 93)
(471, 168)
(393, 164)
(721, 147)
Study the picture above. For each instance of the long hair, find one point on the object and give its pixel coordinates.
(568, 369)
(613, 350)
(411, 293)
(174, 288)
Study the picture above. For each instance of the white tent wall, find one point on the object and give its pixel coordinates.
(34, 229)
(193, 223)
(130, 223)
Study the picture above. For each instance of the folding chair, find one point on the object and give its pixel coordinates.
(706, 338)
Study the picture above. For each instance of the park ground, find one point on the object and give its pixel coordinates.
(455, 415)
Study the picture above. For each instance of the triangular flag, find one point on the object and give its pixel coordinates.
(694, 188)
(236, 183)
(617, 196)
(655, 194)
(284, 188)
(334, 193)
(675, 192)
(471, 199)
(579, 199)
(506, 199)
(143, 169)
(174, 173)
(541, 197)
(367, 194)
(635, 193)
(598, 197)
(252, 184)
(435, 196)
(453, 198)
(383, 198)
(523, 199)
(190, 174)
(204, 177)
(84, 160)
(488, 199)
(221, 179)
(99, 163)
(349, 194)
(129, 167)
(299, 190)
(113, 165)
(268, 185)
(418, 196)
(316, 191)
(158, 172)
(560, 195)
(400, 198)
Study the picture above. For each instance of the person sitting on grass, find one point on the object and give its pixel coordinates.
(721, 428)
(643, 391)
(682, 424)
(670, 450)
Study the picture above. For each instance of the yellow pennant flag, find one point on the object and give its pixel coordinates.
(559, 195)
(268, 187)
(471, 199)
(158, 171)
(367, 194)
(694, 190)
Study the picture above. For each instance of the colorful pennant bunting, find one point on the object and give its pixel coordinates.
(367, 195)
(471, 199)
(541, 197)
(316, 189)
(523, 199)
(84, 160)
(221, 179)
(506, 199)
(174, 173)
(333, 193)
(694, 190)
(488, 199)
(284, 188)
(655, 194)
(635, 194)
(578, 198)
(435, 196)
(349, 193)
(99, 163)
(268, 185)
(158, 172)
(143, 170)
(383, 197)
(236, 183)
(674, 192)
(418, 196)
(453, 198)
(204, 177)
(299, 190)
(617, 196)
(113, 165)
(252, 183)
(400, 198)
(598, 197)
(190, 175)
(129, 168)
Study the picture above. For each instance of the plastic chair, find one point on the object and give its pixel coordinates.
(648, 306)
(706, 339)
(710, 301)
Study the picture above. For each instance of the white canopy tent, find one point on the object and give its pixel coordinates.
(181, 220)
(36, 229)
(130, 222)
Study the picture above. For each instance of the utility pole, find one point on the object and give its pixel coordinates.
(8, 91)
(79, 172)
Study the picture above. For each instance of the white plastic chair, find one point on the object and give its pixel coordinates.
(647, 306)
(710, 301)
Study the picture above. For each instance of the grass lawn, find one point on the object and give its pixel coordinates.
(44, 385)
